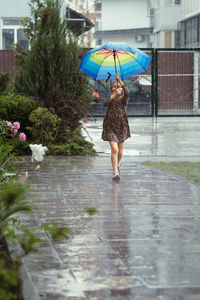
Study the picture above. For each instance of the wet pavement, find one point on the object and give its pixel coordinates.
(155, 139)
(145, 242)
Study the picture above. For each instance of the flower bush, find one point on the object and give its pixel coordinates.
(16, 108)
(14, 130)
(45, 125)
(10, 135)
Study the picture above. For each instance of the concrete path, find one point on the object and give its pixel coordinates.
(145, 242)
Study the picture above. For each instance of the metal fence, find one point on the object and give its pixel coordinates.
(170, 86)
(8, 62)
(176, 82)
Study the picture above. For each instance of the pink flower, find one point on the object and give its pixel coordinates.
(9, 124)
(16, 125)
(22, 137)
(14, 130)
(23, 176)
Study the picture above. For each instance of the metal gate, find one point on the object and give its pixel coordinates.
(169, 87)
(176, 82)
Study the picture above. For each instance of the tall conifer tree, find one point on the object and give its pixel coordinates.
(49, 71)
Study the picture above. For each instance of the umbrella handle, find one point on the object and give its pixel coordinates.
(114, 55)
(109, 75)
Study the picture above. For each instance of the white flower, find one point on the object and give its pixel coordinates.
(38, 151)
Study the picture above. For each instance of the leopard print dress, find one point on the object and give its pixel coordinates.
(115, 124)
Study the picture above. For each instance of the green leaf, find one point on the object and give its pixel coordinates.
(57, 233)
(91, 210)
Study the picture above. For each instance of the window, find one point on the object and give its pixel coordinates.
(177, 2)
(8, 38)
(22, 39)
(189, 32)
(98, 42)
(12, 32)
(98, 25)
(98, 6)
(11, 22)
(168, 2)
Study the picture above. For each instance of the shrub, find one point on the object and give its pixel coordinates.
(4, 80)
(44, 125)
(16, 108)
(14, 140)
(9, 278)
(6, 170)
(73, 144)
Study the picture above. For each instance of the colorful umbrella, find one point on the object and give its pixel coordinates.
(105, 61)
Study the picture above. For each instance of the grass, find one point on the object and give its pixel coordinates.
(189, 170)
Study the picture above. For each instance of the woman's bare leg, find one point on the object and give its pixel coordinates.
(114, 155)
(120, 151)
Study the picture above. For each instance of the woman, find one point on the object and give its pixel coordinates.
(115, 125)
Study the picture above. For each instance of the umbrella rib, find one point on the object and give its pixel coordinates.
(102, 62)
(100, 53)
(120, 66)
(137, 61)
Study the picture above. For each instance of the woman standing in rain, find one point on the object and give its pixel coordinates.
(115, 125)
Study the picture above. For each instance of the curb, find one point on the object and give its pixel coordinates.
(29, 289)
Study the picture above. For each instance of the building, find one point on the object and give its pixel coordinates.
(10, 29)
(125, 21)
(189, 24)
(77, 23)
(166, 15)
(91, 9)
(11, 12)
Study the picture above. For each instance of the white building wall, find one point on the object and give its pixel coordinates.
(189, 7)
(125, 38)
(166, 17)
(126, 21)
(16, 8)
(126, 14)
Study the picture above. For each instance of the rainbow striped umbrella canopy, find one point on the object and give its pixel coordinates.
(107, 60)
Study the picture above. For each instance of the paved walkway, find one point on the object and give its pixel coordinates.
(145, 243)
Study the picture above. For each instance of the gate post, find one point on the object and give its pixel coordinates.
(196, 82)
(154, 70)
(152, 84)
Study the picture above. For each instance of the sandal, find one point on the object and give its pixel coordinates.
(115, 176)
(118, 170)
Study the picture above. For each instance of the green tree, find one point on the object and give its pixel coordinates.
(49, 71)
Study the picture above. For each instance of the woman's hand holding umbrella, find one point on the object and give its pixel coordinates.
(119, 81)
